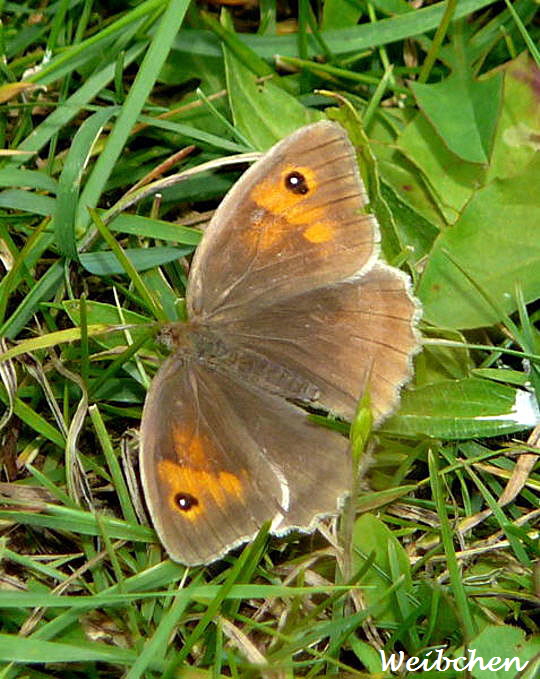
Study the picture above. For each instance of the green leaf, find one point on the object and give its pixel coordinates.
(446, 181)
(372, 536)
(81, 523)
(107, 314)
(106, 263)
(147, 74)
(155, 228)
(72, 106)
(418, 233)
(29, 179)
(466, 129)
(495, 241)
(114, 35)
(44, 290)
(339, 41)
(99, 312)
(28, 650)
(70, 180)
(26, 201)
(460, 409)
(516, 140)
(437, 362)
(262, 111)
(499, 645)
(340, 14)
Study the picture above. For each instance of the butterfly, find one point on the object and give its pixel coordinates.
(289, 306)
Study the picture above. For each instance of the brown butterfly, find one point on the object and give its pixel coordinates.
(288, 304)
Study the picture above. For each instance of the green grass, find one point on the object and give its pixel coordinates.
(442, 105)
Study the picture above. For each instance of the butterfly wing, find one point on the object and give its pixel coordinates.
(295, 221)
(287, 273)
(216, 462)
(341, 338)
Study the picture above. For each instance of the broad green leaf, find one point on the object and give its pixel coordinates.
(120, 390)
(232, 42)
(504, 375)
(367, 654)
(392, 244)
(466, 129)
(496, 242)
(460, 409)
(392, 6)
(205, 186)
(504, 650)
(517, 139)
(437, 363)
(412, 188)
(450, 181)
(371, 535)
(181, 68)
(27, 201)
(415, 232)
(168, 296)
(262, 111)
(194, 134)
(340, 14)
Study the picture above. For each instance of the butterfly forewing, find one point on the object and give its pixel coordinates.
(294, 222)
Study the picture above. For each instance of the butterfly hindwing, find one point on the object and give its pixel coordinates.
(217, 462)
(341, 338)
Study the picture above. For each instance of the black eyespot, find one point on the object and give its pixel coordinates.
(296, 182)
(185, 501)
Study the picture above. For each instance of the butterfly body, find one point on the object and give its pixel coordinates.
(288, 306)
(210, 348)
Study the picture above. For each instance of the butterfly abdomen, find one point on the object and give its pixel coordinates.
(207, 348)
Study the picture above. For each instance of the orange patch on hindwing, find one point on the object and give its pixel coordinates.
(199, 487)
(191, 447)
(284, 210)
(192, 482)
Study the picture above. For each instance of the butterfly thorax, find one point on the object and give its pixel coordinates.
(209, 348)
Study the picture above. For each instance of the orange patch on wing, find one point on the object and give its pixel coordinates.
(220, 488)
(320, 232)
(283, 210)
(272, 194)
(190, 446)
(268, 232)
